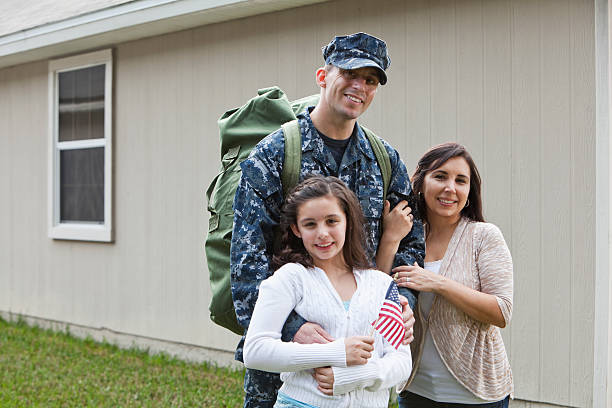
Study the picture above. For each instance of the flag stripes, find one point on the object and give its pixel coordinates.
(389, 322)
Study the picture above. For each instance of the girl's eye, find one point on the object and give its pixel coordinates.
(439, 176)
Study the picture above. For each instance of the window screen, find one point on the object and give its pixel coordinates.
(82, 185)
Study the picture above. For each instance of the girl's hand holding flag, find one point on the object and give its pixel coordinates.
(358, 349)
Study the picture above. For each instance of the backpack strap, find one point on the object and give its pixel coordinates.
(293, 155)
(382, 157)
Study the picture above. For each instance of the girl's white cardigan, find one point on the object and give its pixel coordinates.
(310, 293)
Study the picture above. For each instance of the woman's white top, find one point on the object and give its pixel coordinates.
(432, 379)
(309, 292)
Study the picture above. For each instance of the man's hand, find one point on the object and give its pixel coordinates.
(408, 318)
(325, 380)
(311, 333)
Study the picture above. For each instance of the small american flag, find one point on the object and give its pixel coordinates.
(390, 323)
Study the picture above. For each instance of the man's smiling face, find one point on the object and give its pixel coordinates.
(349, 92)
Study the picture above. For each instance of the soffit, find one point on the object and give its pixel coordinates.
(35, 31)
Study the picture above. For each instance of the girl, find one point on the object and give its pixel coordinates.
(325, 277)
(465, 290)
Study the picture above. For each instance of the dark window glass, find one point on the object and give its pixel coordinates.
(81, 104)
(82, 185)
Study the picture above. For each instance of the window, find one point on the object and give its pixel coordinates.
(80, 154)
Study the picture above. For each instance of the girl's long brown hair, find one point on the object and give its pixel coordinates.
(316, 186)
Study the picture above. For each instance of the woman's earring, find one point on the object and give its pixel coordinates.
(467, 203)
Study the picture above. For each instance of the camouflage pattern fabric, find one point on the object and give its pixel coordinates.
(358, 51)
(261, 388)
(257, 211)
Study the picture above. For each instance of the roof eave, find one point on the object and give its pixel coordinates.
(126, 22)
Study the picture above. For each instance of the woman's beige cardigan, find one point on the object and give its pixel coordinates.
(477, 257)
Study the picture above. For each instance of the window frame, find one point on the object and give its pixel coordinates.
(81, 231)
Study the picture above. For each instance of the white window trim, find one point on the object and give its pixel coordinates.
(73, 230)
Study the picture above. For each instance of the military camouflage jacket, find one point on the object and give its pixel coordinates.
(260, 195)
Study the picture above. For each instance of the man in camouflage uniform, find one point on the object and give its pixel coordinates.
(332, 145)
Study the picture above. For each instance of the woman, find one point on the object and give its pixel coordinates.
(465, 290)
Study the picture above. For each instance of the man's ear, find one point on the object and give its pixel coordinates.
(295, 230)
(320, 77)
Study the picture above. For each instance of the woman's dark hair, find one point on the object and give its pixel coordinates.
(433, 159)
(315, 186)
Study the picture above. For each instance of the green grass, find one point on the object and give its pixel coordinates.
(42, 368)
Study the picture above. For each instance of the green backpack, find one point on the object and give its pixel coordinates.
(240, 130)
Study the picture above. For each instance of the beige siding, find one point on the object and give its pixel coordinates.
(525, 204)
(581, 198)
(513, 80)
(23, 151)
(530, 404)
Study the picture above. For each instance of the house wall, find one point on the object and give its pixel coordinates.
(513, 80)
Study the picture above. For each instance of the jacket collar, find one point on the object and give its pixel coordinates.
(357, 147)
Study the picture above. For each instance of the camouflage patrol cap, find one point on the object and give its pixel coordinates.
(358, 50)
